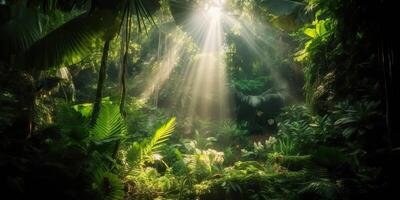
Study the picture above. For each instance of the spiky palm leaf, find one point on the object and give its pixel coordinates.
(139, 153)
(72, 41)
(109, 127)
(160, 136)
(107, 186)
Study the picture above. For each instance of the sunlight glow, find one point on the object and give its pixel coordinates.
(163, 68)
(214, 8)
(202, 91)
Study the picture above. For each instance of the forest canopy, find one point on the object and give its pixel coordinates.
(198, 99)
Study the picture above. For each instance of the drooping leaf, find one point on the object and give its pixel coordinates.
(19, 30)
(281, 7)
(72, 41)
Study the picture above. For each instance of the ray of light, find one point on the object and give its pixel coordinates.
(204, 92)
(163, 67)
(256, 35)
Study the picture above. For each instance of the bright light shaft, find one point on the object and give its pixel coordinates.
(256, 35)
(204, 91)
(164, 67)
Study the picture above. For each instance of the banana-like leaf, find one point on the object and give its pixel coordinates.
(72, 41)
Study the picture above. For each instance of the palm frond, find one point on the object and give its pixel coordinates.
(20, 30)
(139, 153)
(110, 125)
(72, 123)
(107, 185)
(159, 137)
(72, 41)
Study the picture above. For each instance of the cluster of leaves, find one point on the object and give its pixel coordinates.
(312, 157)
(85, 162)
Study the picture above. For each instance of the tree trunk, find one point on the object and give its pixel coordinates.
(123, 84)
(100, 83)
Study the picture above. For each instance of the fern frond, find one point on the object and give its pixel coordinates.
(323, 188)
(110, 125)
(161, 135)
(139, 153)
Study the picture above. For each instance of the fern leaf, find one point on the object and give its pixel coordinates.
(159, 137)
(139, 153)
(110, 125)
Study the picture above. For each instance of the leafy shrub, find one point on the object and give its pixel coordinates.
(231, 134)
(203, 164)
(148, 183)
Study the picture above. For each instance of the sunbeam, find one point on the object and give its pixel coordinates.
(204, 92)
(164, 67)
(248, 32)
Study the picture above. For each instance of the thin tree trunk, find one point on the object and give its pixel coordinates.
(124, 64)
(123, 85)
(100, 83)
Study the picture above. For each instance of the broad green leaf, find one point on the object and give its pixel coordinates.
(310, 32)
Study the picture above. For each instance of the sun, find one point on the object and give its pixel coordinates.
(214, 8)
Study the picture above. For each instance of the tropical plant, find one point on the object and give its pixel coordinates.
(109, 126)
(107, 185)
(204, 164)
(148, 150)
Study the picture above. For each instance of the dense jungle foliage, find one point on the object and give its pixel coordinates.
(254, 99)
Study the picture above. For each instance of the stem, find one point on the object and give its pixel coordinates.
(100, 83)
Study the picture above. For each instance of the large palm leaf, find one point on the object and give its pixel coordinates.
(20, 27)
(72, 41)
